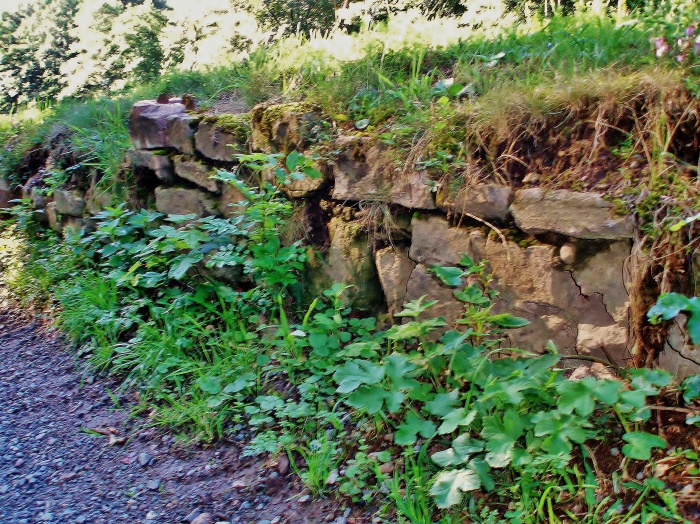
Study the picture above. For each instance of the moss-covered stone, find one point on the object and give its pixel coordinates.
(283, 127)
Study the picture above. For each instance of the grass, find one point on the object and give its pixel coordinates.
(206, 357)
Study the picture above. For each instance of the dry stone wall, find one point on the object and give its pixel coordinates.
(558, 257)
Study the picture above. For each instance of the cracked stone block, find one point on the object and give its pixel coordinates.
(485, 201)
(179, 132)
(233, 202)
(613, 337)
(161, 165)
(213, 142)
(6, 196)
(680, 356)
(181, 201)
(52, 217)
(435, 242)
(365, 171)
(148, 121)
(394, 270)
(349, 260)
(578, 215)
(71, 203)
(602, 274)
(196, 172)
(422, 282)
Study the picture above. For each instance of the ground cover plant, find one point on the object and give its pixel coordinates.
(418, 421)
(478, 430)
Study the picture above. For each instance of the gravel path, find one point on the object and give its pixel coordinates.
(54, 468)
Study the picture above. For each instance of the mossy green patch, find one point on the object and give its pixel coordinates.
(238, 125)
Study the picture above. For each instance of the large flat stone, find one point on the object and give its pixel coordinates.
(179, 132)
(680, 356)
(365, 171)
(190, 169)
(283, 128)
(349, 261)
(486, 201)
(160, 164)
(578, 215)
(181, 201)
(213, 141)
(422, 282)
(6, 195)
(148, 122)
(71, 203)
(434, 242)
(394, 269)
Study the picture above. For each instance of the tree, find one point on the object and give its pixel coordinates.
(298, 16)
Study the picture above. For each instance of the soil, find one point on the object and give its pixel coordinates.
(71, 453)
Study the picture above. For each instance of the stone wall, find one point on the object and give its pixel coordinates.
(558, 257)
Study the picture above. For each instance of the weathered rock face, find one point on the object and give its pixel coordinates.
(196, 172)
(52, 217)
(179, 132)
(578, 316)
(71, 203)
(349, 260)
(578, 215)
(486, 201)
(394, 269)
(148, 122)
(6, 195)
(282, 128)
(222, 139)
(365, 171)
(98, 199)
(231, 199)
(38, 198)
(680, 356)
(160, 164)
(180, 201)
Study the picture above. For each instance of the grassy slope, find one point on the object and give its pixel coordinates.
(525, 82)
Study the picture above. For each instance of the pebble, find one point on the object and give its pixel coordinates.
(144, 459)
(304, 499)
(192, 515)
(204, 518)
(614, 452)
(567, 253)
(153, 485)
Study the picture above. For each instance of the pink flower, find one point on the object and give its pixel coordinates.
(662, 50)
(680, 58)
(690, 30)
(659, 42)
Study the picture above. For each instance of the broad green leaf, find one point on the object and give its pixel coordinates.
(472, 295)
(399, 369)
(559, 430)
(240, 383)
(691, 388)
(668, 306)
(576, 395)
(466, 261)
(449, 486)
(640, 444)
(269, 402)
(451, 276)
(211, 385)
(184, 264)
(607, 391)
(465, 444)
(442, 404)
(355, 373)
(456, 418)
(411, 427)
(449, 457)
(368, 398)
(294, 160)
(416, 307)
(415, 329)
(501, 435)
(506, 320)
(693, 324)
